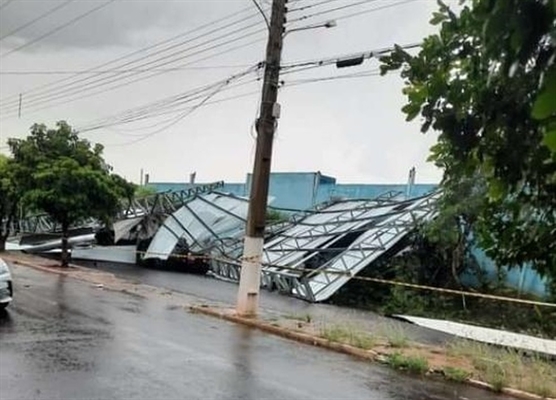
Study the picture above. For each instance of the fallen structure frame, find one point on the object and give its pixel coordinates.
(313, 258)
(323, 250)
(165, 202)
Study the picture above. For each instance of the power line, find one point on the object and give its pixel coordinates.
(287, 84)
(262, 13)
(58, 28)
(284, 85)
(70, 88)
(332, 60)
(355, 14)
(119, 71)
(304, 17)
(135, 52)
(37, 19)
(368, 11)
(222, 100)
(178, 119)
(312, 5)
(107, 80)
(170, 105)
(362, 74)
(5, 4)
(86, 95)
(60, 94)
(170, 101)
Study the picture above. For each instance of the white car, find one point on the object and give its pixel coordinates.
(6, 289)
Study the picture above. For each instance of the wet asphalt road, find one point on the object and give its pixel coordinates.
(212, 289)
(66, 339)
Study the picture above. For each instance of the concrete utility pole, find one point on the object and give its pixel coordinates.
(249, 283)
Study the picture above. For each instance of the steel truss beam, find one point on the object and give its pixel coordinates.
(164, 203)
(378, 235)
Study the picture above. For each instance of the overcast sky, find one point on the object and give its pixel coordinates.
(351, 129)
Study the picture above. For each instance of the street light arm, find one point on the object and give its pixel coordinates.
(327, 24)
(262, 13)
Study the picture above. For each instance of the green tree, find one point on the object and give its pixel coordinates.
(144, 191)
(487, 83)
(66, 177)
(9, 198)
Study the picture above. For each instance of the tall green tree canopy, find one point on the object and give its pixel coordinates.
(67, 177)
(487, 83)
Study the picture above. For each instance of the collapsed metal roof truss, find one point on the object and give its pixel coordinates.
(375, 227)
(164, 203)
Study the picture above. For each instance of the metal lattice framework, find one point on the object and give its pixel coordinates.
(379, 223)
(165, 203)
(329, 277)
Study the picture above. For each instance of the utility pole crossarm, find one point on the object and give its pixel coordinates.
(249, 284)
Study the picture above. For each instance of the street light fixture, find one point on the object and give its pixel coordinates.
(328, 24)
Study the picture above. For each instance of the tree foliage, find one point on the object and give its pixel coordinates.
(66, 177)
(487, 83)
(143, 191)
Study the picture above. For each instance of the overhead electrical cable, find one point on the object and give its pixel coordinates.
(5, 4)
(352, 15)
(178, 119)
(262, 13)
(82, 84)
(311, 5)
(330, 10)
(131, 54)
(375, 9)
(172, 104)
(57, 29)
(118, 71)
(157, 62)
(176, 99)
(64, 99)
(37, 19)
(284, 85)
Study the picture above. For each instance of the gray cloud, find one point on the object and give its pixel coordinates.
(121, 23)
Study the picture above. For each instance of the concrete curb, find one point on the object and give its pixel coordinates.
(53, 269)
(369, 355)
(287, 333)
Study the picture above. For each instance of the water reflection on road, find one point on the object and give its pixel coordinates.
(65, 339)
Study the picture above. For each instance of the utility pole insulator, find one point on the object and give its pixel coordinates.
(276, 108)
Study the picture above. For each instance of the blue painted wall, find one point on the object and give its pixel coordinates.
(303, 190)
(524, 279)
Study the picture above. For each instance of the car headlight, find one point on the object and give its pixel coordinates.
(3, 267)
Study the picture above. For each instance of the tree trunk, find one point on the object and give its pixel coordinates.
(5, 233)
(3, 239)
(458, 259)
(65, 254)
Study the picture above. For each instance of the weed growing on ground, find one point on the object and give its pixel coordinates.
(541, 380)
(348, 335)
(414, 364)
(508, 367)
(395, 335)
(456, 374)
(300, 317)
